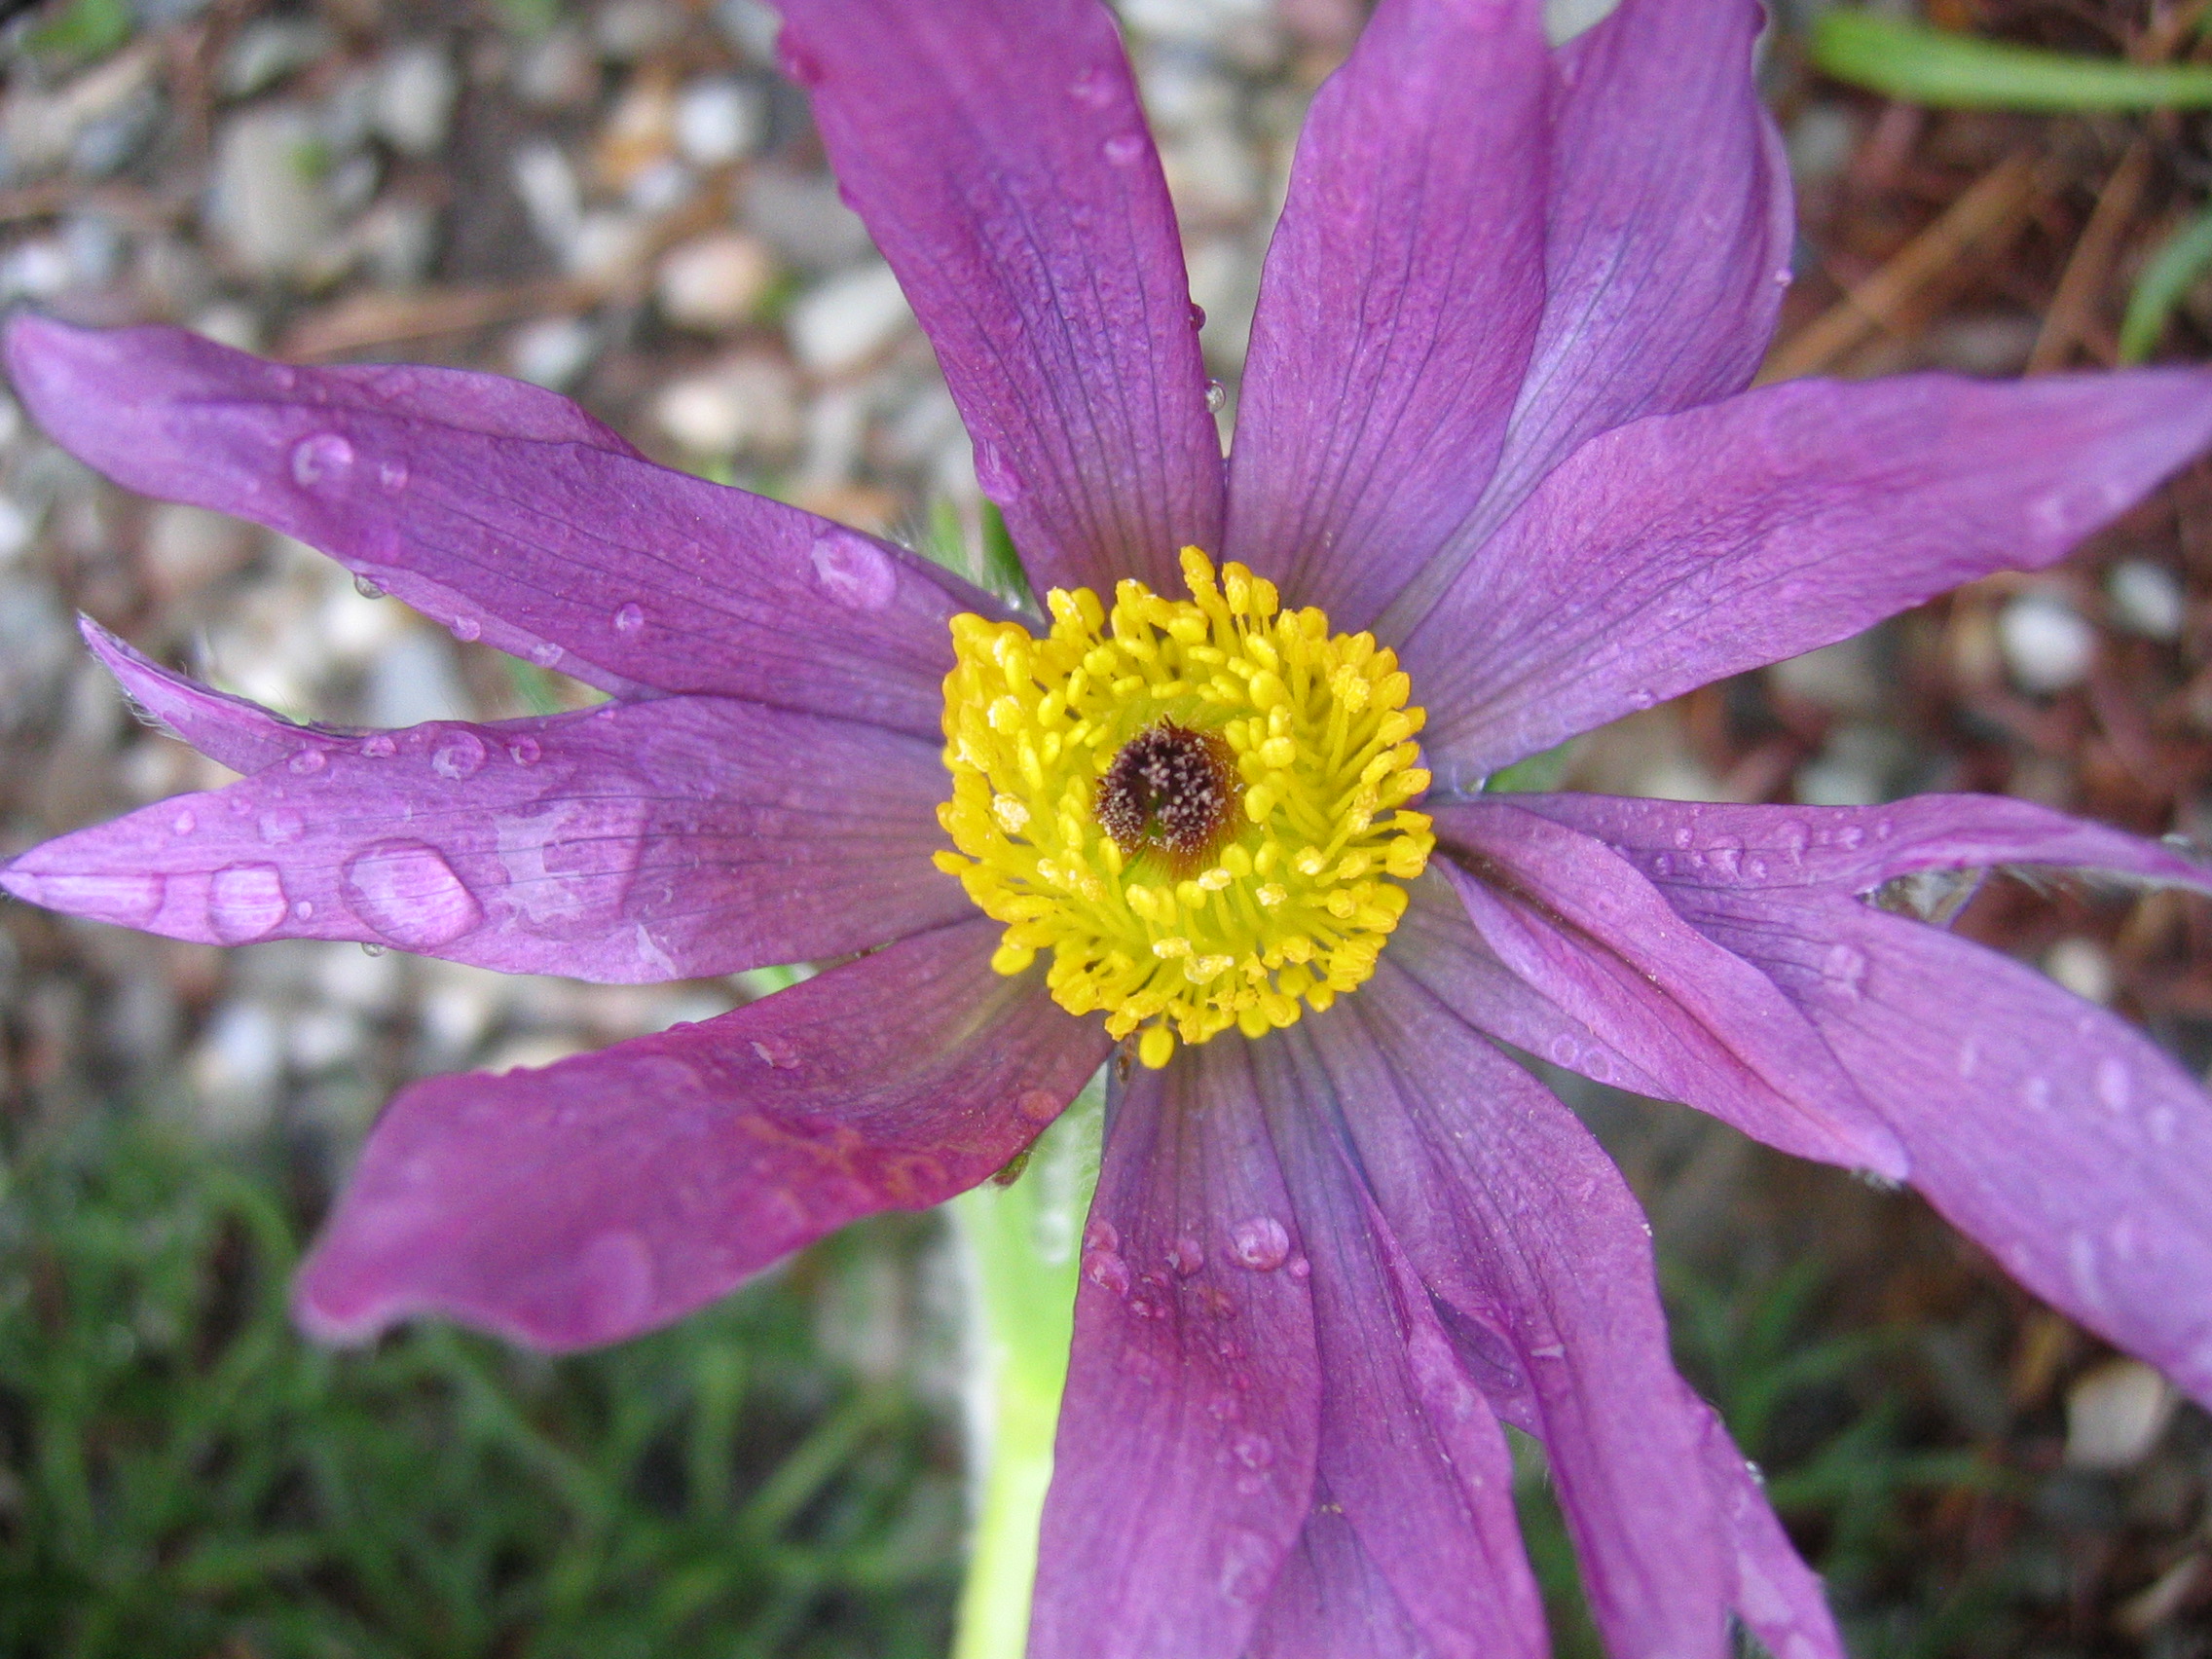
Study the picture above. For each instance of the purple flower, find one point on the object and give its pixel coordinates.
(1495, 414)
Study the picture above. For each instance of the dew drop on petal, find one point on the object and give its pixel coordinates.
(853, 571)
(366, 588)
(776, 1052)
(245, 901)
(1038, 1105)
(1124, 148)
(1101, 1236)
(2113, 1083)
(321, 461)
(1197, 314)
(1247, 1564)
(545, 653)
(369, 948)
(1254, 1450)
(281, 825)
(630, 618)
(303, 909)
(409, 894)
(1107, 1271)
(1299, 1268)
(799, 64)
(1217, 397)
(525, 751)
(1641, 698)
(1844, 967)
(1185, 1256)
(309, 761)
(392, 475)
(183, 823)
(459, 755)
(467, 629)
(1094, 86)
(1260, 1243)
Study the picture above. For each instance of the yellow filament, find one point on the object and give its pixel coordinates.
(1302, 887)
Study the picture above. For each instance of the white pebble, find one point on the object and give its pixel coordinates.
(2081, 966)
(17, 525)
(718, 121)
(415, 91)
(2047, 646)
(2146, 599)
(2115, 1413)
(714, 282)
(554, 352)
(848, 320)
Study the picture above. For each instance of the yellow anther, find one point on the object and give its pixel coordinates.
(1229, 894)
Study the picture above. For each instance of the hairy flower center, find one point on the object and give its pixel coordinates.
(1197, 806)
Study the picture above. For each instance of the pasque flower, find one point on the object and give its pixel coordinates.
(1495, 480)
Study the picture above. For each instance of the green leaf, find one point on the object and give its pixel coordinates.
(1930, 66)
(1534, 775)
(90, 29)
(2172, 271)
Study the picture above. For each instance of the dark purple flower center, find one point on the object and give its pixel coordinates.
(1171, 791)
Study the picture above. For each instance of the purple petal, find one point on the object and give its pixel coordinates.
(1183, 1467)
(1538, 1257)
(618, 1191)
(1667, 248)
(484, 505)
(1703, 543)
(230, 730)
(2048, 1130)
(1409, 1449)
(1578, 923)
(1855, 849)
(998, 153)
(638, 841)
(1778, 1596)
(1330, 1601)
(1399, 300)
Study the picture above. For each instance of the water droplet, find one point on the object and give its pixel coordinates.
(1260, 1243)
(1185, 1256)
(1247, 1564)
(797, 64)
(1844, 967)
(1094, 86)
(545, 653)
(1107, 1271)
(467, 629)
(392, 475)
(1101, 1236)
(245, 901)
(1038, 1105)
(1124, 148)
(303, 909)
(365, 587)
(1851, 836)
(280, 824)
(1217, 397)
(616, 1273)
(183, 823)
(2115, 1085)
(409, 894)
(1197, 314)
(369, 948)
(1795, 838)
(853, 571)
(775, 1052)
(1641, 698)
(1564, 1050)
(284, 377)
(995, 474)
(1756, 867)
(1726, 856)
(630, 618)
(458, 755)
(379, 746)
(309, 761)
(1299, 1268)
(321, 461)
(1253, 1450)
(525, 751)
(1662, 863)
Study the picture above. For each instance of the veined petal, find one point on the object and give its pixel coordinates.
(1713, 541)
(1778, 1596)
(1330, 1601)
(631, 842)
(1183, 1467)
(230, 730)
(510, 517)
(1527, 1237)
(615, 1191)
(2056, 1134)
(1410, 1450)
(1665, 248)
(1856, 849)
(1579, 924)
(998, 153)
(1400, 299)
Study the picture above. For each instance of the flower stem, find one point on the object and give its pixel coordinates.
(1021, 1245)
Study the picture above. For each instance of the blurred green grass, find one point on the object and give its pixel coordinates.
(181, 1475)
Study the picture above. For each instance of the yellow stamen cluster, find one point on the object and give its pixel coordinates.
(1294, 895)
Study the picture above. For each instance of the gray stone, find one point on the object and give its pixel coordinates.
(270, 206)
(416, 87)
(848, 320)
(2047, 646)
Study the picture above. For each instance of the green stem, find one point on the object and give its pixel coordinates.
(1022, 1242)
(1932, 66)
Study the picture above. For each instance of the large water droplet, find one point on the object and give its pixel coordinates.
(245, 901)
(630, 618)
(1260, 1243)
(459, 755)
(1107, 1271)
(309, 761)
(1124, 148)
(409, 894)
(1100, 1235)
(1217, 397)
(545, 653)
(366, 588)
(1197, 314)
(1185, 1256)
(525, 751)
(467, 629)
(321, 461)
(853, 571)
(775, 1052)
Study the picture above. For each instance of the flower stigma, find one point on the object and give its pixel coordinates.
(1197, 806)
